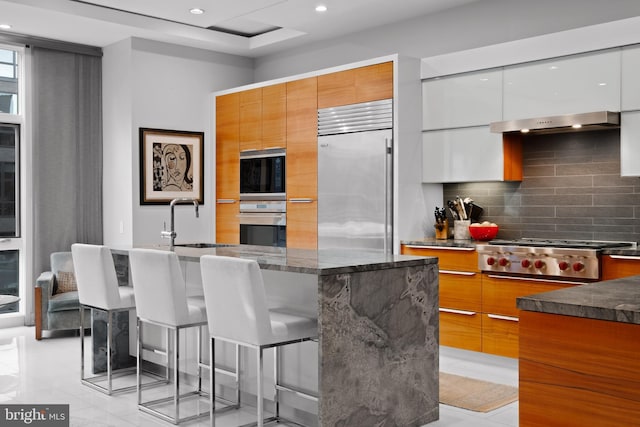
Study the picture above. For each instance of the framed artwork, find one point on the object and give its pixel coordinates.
(171, 166)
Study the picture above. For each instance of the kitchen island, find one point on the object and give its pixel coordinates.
(579, 350)
(377, 354)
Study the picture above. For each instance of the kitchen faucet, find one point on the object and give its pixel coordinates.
(172, 233)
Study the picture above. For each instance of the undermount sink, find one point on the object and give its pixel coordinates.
(202, 245)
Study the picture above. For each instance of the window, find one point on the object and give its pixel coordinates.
(8, 81)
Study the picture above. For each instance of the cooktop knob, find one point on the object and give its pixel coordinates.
(503, 262)
(539, 264)
(491, 260)
(525, 263)
(578, 266)
(563, 265)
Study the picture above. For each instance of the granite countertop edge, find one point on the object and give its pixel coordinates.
(612, 300)
(298, 260)
(442, 243)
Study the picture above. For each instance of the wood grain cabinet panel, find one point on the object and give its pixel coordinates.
(227, 168)
(461, 330)
(302, 163)
(364, 84)
(500, 335)
(617, 266)
(578, 372)
(274, 116)
(457, 259)
(251, 119)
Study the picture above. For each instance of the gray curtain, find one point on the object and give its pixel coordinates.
(67, 151)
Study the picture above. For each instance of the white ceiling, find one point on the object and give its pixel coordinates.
(104, 22)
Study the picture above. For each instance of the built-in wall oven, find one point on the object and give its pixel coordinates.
(262, 175)
(263, 222)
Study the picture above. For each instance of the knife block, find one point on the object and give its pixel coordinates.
(442, 230)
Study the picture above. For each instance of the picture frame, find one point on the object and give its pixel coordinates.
(171, 165)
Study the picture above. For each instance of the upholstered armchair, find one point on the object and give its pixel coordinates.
(56, 297)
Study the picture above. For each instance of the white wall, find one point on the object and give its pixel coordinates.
(117, 144)
(156, 85)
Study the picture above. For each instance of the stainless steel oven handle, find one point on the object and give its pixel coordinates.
(494, 276)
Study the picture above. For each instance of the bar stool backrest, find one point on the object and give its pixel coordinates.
(96, 276)
(159, 287)
(236, 300)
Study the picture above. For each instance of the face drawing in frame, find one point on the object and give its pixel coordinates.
(172, 167)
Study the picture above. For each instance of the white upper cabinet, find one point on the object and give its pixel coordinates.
(630, 144)
(462, 155)
(631, 78)
(575, 84)
(469, 99)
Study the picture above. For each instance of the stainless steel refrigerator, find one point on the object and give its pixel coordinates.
(355, 177)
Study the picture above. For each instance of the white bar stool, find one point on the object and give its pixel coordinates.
(160, 291)
(237, 312)
(98, 290)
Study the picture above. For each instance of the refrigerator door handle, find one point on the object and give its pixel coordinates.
(388, 242)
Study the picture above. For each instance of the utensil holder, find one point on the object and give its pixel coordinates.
(442, 230)
(461, 230)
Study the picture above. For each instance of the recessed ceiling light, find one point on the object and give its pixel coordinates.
(5, 27)
(321, 8)
(524, 130)
(576, 126)
(196, 11)
(602, 84)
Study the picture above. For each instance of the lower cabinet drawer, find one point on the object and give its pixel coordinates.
(461, 329)
(500, 335)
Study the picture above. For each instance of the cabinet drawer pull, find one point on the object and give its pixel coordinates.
(636, 258)
(459, 273)
(499, 317)
(494, 276)
(301, 200)
(223, 201)
(463, 312)
(274, 148)
(448, 248)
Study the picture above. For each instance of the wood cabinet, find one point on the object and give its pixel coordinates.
(363, 84)
(302, 163)
(470, 154)
(567, 85)
(263, 118)
(617, 266)
(460, 295)
(274, 116)
(500, 314)
(250, 117)
(227, 168)
(578, 372)
(470, 99)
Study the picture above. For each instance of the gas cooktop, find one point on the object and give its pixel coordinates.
(558, 243)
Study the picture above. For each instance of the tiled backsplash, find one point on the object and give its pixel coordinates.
(571, 189)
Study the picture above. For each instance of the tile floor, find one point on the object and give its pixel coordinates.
(48, 371)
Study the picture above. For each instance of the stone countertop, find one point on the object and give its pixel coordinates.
(306, 261)
(448, 243)
(613, 300)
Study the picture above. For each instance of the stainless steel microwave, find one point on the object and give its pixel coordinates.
(262, 175)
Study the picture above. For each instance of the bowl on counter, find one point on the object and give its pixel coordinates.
(483, 232)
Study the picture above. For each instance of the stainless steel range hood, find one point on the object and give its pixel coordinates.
(557, 124)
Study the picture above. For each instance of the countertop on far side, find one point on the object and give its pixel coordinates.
(615, 300)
